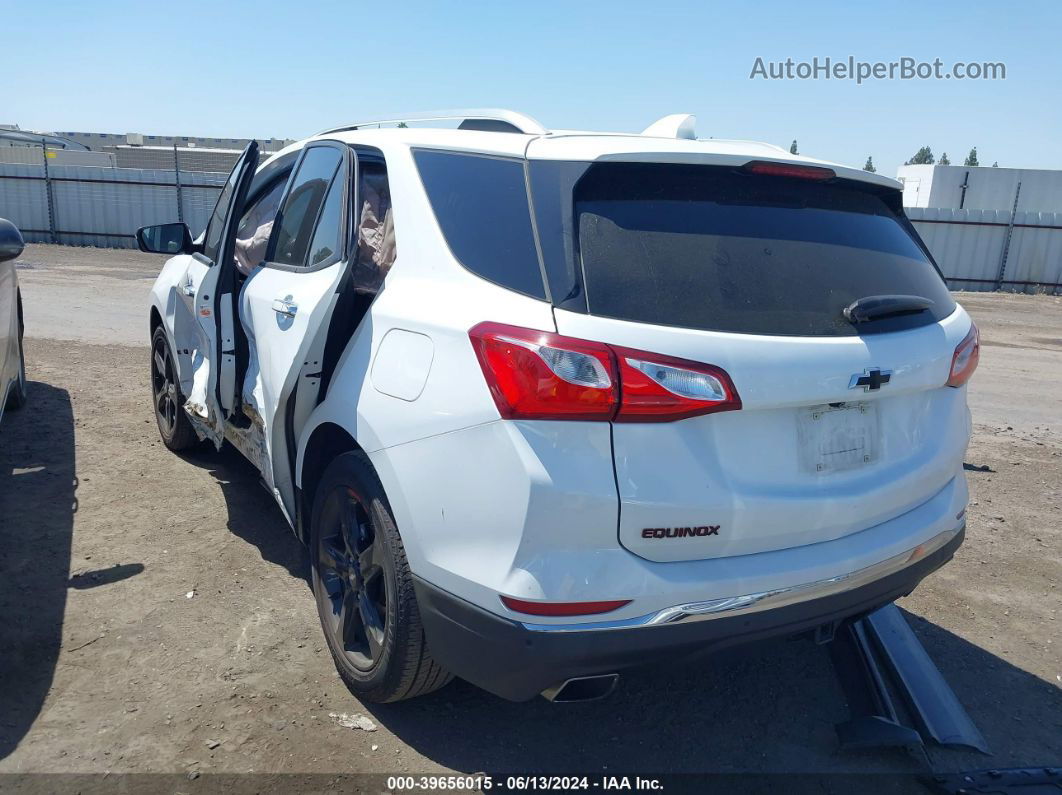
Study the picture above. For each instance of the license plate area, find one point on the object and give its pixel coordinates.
(837, 438)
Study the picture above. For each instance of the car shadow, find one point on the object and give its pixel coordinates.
(1019, 714)
(252, 513)
(771, 711)
(38, 500)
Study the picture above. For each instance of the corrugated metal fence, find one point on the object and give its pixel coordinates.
(994, 249)
(87, 206)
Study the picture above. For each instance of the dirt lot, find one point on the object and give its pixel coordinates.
(154, 605)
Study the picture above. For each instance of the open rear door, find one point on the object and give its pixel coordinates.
(206, 294)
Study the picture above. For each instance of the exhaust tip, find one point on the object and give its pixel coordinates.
(581, 688)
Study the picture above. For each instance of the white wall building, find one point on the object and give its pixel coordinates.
(981, 188)
(32, 155)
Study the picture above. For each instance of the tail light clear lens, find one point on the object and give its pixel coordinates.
(964, 360)
(540, 375)
(581, 369)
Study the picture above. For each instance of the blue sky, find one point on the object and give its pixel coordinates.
(289, 69)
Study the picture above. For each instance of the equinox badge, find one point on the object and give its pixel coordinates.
(680, 532)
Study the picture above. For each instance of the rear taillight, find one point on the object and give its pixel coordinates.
(964, 360)
(541, 375)
(658, 388)
(544, 376)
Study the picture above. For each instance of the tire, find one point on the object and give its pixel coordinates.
(364, 589)
(174, 426)
(18, 394)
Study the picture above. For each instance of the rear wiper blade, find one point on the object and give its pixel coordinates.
(875, 307)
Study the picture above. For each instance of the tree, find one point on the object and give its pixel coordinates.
(402, 124)
(971, 159)
(923, 157)
(793, 148)
(995, 164)
(869, 165)
(944, 160)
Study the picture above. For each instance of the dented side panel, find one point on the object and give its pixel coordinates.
(196, 293)
(287, 361)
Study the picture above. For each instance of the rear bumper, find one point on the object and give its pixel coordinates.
(517, 661)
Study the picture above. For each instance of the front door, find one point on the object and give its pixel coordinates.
(206, 356)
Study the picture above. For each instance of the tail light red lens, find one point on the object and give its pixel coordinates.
(563, 608)
(540, 375)
(964, 360)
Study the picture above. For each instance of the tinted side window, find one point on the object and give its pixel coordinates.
(252, 235)
(481, 206)
(303, 205)
(216, 225)
(326, 238)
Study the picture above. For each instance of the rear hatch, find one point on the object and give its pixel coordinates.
(843, 423)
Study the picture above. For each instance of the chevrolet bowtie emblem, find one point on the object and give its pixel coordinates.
(870, 379)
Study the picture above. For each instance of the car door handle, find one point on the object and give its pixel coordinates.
(285, 306)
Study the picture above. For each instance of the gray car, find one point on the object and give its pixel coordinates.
(12, 360)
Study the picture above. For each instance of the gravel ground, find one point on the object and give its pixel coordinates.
(158, 619)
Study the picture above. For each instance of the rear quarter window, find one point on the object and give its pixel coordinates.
(480, 203)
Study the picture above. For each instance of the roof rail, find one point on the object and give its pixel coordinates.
(497, 120)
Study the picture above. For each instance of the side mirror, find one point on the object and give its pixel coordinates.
(11, 242)
(164, 239)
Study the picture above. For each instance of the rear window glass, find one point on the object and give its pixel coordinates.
(710, 248)
(481, 206)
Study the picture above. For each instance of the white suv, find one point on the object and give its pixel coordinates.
(549, 405)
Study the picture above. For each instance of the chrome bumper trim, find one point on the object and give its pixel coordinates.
(766, 600)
